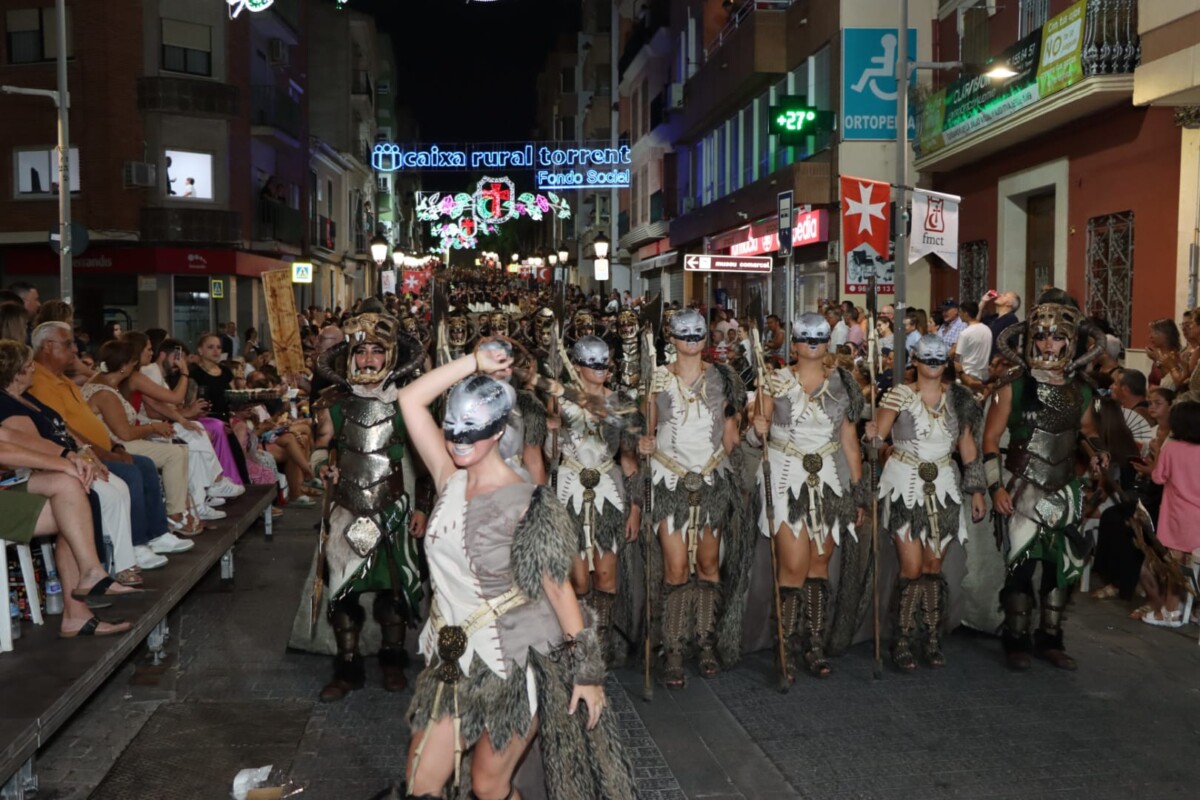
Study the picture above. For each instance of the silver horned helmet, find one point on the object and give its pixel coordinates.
(811, 328)
(688, 325)
(477, 408)
(931, 351)
(590, 352)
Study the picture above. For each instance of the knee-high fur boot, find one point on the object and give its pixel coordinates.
(348, 671)
(790, 601)
(674, 630)
(708, 608)
(392, 616)
(816, 610)
(906, 624)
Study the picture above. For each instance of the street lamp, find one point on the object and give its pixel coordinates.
(563, 254)
(552, 258)
(600, 244)
(397, 259)
(516, 258)
(379, 248)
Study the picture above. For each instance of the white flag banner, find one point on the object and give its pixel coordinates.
(934, 227)
(387, 279)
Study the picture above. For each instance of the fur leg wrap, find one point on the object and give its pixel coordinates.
(1018, 607)
(583, 658)
(906, 623)
(933, 605)
(603, 603)
(815, 611)
(708, 608)
(674, 628)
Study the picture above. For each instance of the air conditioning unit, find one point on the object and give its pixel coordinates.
(277, 52)
(139, 174)
(675, 96)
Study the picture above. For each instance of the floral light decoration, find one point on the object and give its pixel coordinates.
(494, 203)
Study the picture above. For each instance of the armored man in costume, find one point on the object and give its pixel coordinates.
(694, 413)
(922, 493)
(366, 545)
(1041, 409)
(509, 652)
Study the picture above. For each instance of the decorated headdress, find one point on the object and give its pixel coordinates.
(688, 325)
(477, 408)
(403, 354)
(590, 352)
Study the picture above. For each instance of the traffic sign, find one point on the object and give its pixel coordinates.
(79, 239)
(302, 272)
(784, 206)
(698, 263)
(217, 288)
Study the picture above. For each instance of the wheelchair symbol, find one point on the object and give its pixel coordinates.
(883, 66)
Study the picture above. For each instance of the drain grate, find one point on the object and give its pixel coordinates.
(193, 750)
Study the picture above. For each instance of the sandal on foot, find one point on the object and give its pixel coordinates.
(100, 589)
(1141, 611)
(1105, 593)
(1164, 619)
(92, 628)
(129, 577)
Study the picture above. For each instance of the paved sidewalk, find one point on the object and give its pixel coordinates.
(1126, 725)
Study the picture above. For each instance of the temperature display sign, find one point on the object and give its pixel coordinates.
(792, 118)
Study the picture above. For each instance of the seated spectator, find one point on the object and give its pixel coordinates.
(14, 322)
(53, 352)
(152, 441)
(1166, 351)
(29, 297)
(59, 311)
(1129, 389)
(53, 500)
(28, 423)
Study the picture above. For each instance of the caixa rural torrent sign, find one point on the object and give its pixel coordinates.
(583, 167)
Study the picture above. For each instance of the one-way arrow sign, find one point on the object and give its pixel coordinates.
(698, 263)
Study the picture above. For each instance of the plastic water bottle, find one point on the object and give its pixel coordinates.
(14, 611)
(54, 593)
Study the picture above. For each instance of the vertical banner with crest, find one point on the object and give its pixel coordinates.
(934, 227)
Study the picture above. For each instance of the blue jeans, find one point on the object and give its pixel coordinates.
(148, 514)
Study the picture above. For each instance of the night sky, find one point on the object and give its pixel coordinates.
(469, 70)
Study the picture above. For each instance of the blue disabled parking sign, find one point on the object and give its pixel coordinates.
(869, 83)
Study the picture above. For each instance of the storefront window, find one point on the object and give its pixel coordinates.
(188, 175)
(192, 308)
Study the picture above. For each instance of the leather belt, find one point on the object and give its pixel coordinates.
(928, 472)
(812, 463)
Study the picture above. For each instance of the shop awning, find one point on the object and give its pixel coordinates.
(658, 262)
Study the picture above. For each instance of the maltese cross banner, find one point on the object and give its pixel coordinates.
(866, 234)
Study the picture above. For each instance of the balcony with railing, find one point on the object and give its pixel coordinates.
(274, 112)
(188, 96)
(276, 222)
(974, 117)
(175, 224)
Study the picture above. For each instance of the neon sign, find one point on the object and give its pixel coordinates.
(793, 119)
(238, 6)
(555, 167)
(459, 219)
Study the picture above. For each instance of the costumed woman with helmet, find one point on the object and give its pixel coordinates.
(509, 652)
(809, 419)
(922, 492)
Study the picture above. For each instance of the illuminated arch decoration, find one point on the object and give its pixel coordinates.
(238, 6)
(494, 203)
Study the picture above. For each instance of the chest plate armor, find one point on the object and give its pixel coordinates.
(370, 481)
(1047, 457)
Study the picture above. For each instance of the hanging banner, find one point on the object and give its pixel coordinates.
(415, 280)
(934, 227)
(282, 322)
(866, 234)
(387, 281)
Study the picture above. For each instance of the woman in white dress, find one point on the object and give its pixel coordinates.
(922, 492)
(508, 651)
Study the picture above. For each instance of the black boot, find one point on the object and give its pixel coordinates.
(815, 610)
(1048, 639)
(1018, 606)
(708, 608)
(674, 627)
(602, 603)
(391, 614)
(349, 672)
(933, 606)
(790, 600)
(906, 624)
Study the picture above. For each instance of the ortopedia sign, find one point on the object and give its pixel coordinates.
(698, 263)
(556, 167)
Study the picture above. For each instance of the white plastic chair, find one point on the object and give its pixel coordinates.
(25, 555)
(1193, 571)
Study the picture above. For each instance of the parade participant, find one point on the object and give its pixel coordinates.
(365, 545)
(454, 338)
(809, 417)
(627, 379)
(922, 493)
(521, 445)
(694, 411)
(1041, 409)
(508, 650)
(597, 484)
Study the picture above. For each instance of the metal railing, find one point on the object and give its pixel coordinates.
(271, 106)
(1110, 39)
(277, 222)
(739, 16)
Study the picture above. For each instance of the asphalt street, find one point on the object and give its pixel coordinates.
(1126, 725)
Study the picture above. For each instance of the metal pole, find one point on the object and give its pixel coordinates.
(614, 234)
(900, 267)
(66, 284)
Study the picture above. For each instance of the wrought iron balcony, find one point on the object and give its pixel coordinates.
(277, 222)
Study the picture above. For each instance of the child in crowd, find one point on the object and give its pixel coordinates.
(1178, 471)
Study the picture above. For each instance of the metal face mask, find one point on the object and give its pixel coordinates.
(688, 325)
(584, 323)
(457, 331)
(627, 325)
(543, 324)
(811, 329)
(1053, 333)
(590, 352)
(931, 351)
(477, 408)
(377, 329)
